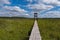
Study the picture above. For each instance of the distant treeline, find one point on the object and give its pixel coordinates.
(15, 18)
(28, 18)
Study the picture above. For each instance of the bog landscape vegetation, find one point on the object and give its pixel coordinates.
(20, 28)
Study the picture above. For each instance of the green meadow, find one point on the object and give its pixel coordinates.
(20, 28)
(49, 29)
(15, 28)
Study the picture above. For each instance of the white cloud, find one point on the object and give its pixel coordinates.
(15, 8)
(36, 7)
(4, 2)
(27, 14)
(37, 1)
(40, 4)
(39, 7)
(30, 0)
(53, 2)
(51, 14)
(11, 11)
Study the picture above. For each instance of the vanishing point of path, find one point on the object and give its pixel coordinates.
(35, 34)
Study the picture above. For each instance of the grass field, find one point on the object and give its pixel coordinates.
(20, 28)
(49, 28)
(15, 28)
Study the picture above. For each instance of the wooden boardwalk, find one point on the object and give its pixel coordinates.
(35, 34)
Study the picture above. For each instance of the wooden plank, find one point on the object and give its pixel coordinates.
(35, 34)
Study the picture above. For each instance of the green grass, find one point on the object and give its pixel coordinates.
(49, 28)
(15, 28)
(20, 28)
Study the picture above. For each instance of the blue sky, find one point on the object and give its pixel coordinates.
(26, 8)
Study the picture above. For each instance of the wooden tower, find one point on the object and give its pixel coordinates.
(35, 16)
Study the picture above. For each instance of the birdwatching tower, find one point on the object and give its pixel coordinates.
(35, 16)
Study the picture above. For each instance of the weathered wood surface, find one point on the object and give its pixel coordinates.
(35, 34)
